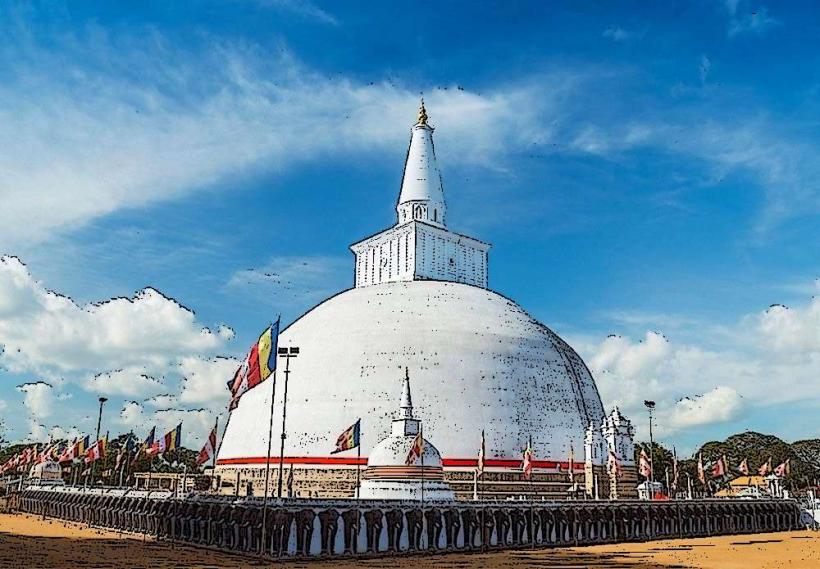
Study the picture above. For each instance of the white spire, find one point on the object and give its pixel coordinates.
(422, 197)
(405, 424)
(406, 407)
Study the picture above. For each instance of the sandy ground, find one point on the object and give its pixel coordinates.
(27, 541)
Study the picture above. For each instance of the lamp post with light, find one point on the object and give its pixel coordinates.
(102, 401)
(286, 353)
(650, 405)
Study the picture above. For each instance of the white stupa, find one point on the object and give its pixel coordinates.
(389, 477)
(420, 297)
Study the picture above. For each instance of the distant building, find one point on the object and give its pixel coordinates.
(750, 486)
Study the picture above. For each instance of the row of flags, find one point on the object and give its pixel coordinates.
(84, 451)
(80, 450)
(719, 468)
(155, 446)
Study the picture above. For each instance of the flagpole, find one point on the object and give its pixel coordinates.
(421, 457)
(267, 468)
(358, 465)
(288, 353)
(532, 496)
(216, 434)
(99, 421)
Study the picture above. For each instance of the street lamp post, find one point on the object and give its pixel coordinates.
(650, 405)
(286, 353)
(97, 440)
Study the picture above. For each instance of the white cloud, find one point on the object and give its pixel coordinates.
(129, 382)
(150, 122)
(719, 405)
(162, 401)
(131, 414)
(38, 398)
(618, 34)
(42, 331)
(721, 372)
(148, 346)
(302, 8)
(630, 360)
(205, 381)
(39, 433)
(795, 330)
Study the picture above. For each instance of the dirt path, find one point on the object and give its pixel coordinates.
(28, 541)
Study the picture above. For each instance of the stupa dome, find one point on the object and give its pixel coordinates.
(393, 450)
(479, 359)
(420, 300)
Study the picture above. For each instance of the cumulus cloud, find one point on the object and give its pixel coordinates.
(146, 348)
(43, 331)
(795, 330)
(205, 381)
(717, 377)
(719, 405)
(131, 414)
(38, 398)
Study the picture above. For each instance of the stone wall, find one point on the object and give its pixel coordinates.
(305, 528)
(340, 482)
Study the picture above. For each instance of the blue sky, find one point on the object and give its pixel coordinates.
(647, 175)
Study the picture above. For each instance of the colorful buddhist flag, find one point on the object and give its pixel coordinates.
(95, 452)
(526, 464)
(765, 468)
(644, 465)
(783, 468)
(171, 441)
(416, 450)
(67, 453)
(719, 467)
(482, 453)
(701, 469)
(82, 446)
(147, 445)
(743, 467)
(208, 449)
(349, 438)
(257, 367)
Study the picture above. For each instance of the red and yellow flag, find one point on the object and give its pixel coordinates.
(416, 449)
(257, 367)
(349, 438)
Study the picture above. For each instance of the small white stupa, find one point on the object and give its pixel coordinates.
(389, 476)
